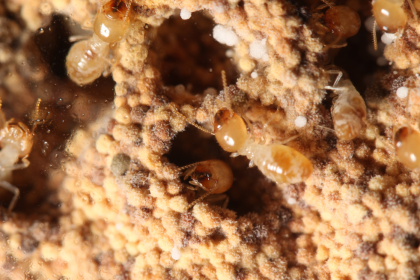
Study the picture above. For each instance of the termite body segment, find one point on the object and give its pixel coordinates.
(280, 163)
(348, 111)
(407, 147)
(86, 59)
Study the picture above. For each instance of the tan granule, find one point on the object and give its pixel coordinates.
(322, 253)
(359, 194)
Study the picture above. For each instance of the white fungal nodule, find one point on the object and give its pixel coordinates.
(225, 35)
(402, 92)
(300, 121)
(185, 14)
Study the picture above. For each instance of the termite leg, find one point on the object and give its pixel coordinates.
(198, 200)
(339, 75)
(175, 110)
(13, 189)
(413, 9)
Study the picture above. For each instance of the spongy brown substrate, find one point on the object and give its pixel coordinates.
(124, 204)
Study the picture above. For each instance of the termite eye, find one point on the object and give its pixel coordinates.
(215, 175)
(389, 15)
(342, 21)
(230, 130)
(111, 22)
(407, 147)
(201, 176)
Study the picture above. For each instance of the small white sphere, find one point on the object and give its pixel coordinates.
(402, 92)
(185, 14)
(254, 75)
(230, 53)
(388, 38)
(175, 253)
(300, 121)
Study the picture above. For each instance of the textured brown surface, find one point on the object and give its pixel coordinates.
(106, 217)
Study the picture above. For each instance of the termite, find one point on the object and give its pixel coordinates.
(278, 162)
(16, 141)
(349, 109)
(390, 16)
(86, 60)
(212, 176)
(340, 21)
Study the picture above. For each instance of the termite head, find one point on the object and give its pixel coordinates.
(214, 176)
(389, 15)
(112, 21)
(18, 136)
(230, 130)
(342, 21)
(407, 148)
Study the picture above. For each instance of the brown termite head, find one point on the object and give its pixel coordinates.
(337, 23)
(230, 130)
(342, 21)
(213, 176)
(112, 21)
(407, 147)
(390, 16)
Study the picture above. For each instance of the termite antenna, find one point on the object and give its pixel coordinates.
(175, 110)
(266, 124)
(339, 75)
(128, 10)
(413, 9)
(199, 200)
(327, 129)
(375, 41)
(36, 115)
(188, 166)
(328, 3)
(224, 81)
(13, 189)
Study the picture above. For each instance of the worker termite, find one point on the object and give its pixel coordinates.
(278, 162)
(339, 23)
(16, 141)
(349, 109)
(406, 139)
(390, 16)
(212, 176)
(86, 60)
